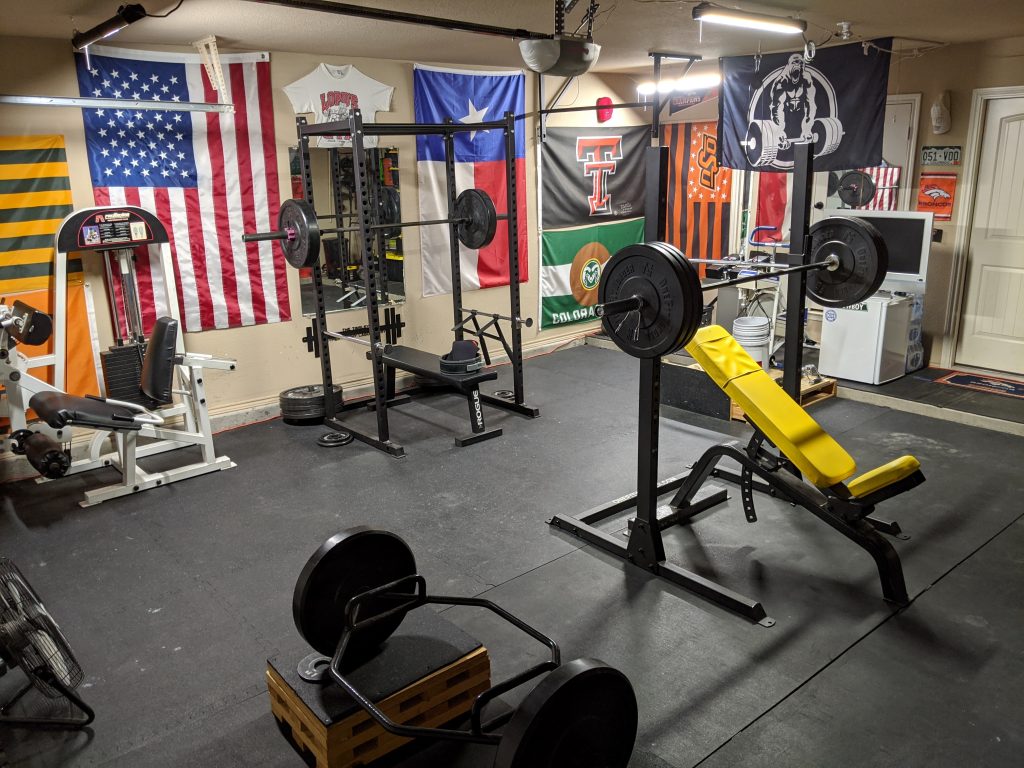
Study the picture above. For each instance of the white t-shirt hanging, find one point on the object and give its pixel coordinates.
(331, 92)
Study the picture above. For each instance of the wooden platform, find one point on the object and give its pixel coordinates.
(355, 740)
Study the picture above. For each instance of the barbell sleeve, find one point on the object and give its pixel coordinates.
(256, 237)
(619, 306)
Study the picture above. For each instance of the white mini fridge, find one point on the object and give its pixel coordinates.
(866, 342)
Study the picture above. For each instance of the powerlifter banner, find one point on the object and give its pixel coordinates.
(593, 175)
(571, 264)
(836, 101)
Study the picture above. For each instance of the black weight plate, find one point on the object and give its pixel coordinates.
(582, 715)
(863, 261)
(691, 280)
(856, 188)
(833, 183)
(673, 301)
(298, 219)
(476, 220)
(347, 564)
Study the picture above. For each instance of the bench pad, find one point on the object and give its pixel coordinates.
(59, 410)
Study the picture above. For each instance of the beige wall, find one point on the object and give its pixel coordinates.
(271, 357)
(958, 69)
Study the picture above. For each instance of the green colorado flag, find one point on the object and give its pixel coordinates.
(571, 266)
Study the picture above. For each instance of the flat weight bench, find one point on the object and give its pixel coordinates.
(428, 365)
(810, 468)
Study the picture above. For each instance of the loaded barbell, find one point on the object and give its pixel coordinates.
(475, 220)
(659, 295)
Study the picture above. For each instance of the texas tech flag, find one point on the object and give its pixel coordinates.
(593, 175)
(836, 101)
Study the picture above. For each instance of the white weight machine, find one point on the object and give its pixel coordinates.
(159, 396)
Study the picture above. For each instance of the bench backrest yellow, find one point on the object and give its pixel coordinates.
(800, 438)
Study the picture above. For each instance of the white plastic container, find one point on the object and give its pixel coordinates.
(754, 335)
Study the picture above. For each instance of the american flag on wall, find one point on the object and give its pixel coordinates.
(209, 177)
(887, 185)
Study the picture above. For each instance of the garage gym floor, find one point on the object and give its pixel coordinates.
(174, 599)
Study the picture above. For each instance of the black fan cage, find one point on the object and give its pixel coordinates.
(30, 638)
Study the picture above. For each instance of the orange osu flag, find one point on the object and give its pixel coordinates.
(699, 191)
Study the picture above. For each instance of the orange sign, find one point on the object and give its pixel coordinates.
(935, 193)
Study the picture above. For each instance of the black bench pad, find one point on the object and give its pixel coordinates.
(429, 365)
(59, 410)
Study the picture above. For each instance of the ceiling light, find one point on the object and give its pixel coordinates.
(714, 14)
(126, 14)
(699, 82)
(647, 89)
(666, 86)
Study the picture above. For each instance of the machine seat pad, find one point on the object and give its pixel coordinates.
(59, 410)
(428, 365)
(800, 438)
(882, 476)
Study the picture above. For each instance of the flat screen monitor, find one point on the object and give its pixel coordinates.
(908, 238)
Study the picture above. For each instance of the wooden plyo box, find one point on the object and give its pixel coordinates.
(324, 722)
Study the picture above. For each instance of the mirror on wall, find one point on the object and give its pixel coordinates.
(341, 253)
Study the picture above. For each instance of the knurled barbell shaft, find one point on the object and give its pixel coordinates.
(631, 303)
(280, 235)
(518, 320)
(378, 347)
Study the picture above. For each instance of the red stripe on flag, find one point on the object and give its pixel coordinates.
(772, 193)
(143, 273)
(229, 280)
(266, 102)
(197, 242)
(163, 212)
(492, 260)
(245, 183)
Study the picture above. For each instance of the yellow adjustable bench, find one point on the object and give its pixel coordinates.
(810, 469)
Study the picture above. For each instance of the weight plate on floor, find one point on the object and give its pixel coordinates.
(476, 220)
(334, 439)
(833, 183)
(582, 715)
(348, 564)
(856, 188)
(301, 246)
(670, 288)
(863, 261)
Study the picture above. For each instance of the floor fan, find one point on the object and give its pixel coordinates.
(31, 640)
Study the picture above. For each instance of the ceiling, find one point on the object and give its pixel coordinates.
(627, 29)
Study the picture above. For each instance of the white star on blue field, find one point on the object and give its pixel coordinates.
(137, 148)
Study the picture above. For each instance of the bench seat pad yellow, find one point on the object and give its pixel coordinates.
(800, 438)
(878, 478)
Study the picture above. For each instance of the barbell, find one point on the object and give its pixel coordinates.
(658, 293)
(475, 220)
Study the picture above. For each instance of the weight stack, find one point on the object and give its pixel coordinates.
(305, 404)
(122, 372)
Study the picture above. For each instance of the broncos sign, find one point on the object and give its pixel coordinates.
(835, 102)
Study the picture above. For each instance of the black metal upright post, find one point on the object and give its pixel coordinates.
(512, 223)
(656, 163)
(646, 546)
(319, 324)
(796, 293)
(366, 218)
(453, 238)
(656, 117)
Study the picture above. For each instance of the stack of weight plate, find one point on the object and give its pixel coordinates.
(305, 405)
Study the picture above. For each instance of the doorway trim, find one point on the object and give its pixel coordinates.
(904, 202)
(965, 214)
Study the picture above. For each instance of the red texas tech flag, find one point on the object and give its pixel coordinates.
(593, 175)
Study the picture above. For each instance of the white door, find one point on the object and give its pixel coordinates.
(992, 325)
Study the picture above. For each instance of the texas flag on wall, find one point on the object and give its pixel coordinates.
(468, 97)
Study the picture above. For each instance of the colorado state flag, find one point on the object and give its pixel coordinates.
(468, 97)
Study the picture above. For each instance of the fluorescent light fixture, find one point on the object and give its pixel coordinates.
(714, 14)
(699, 82)
(126, 14)
(647, 89)
(666, 86)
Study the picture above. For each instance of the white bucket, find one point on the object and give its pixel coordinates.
(754, 335)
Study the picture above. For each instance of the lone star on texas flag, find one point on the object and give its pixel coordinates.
(475, 116)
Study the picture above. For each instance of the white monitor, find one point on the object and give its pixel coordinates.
(908, 238)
